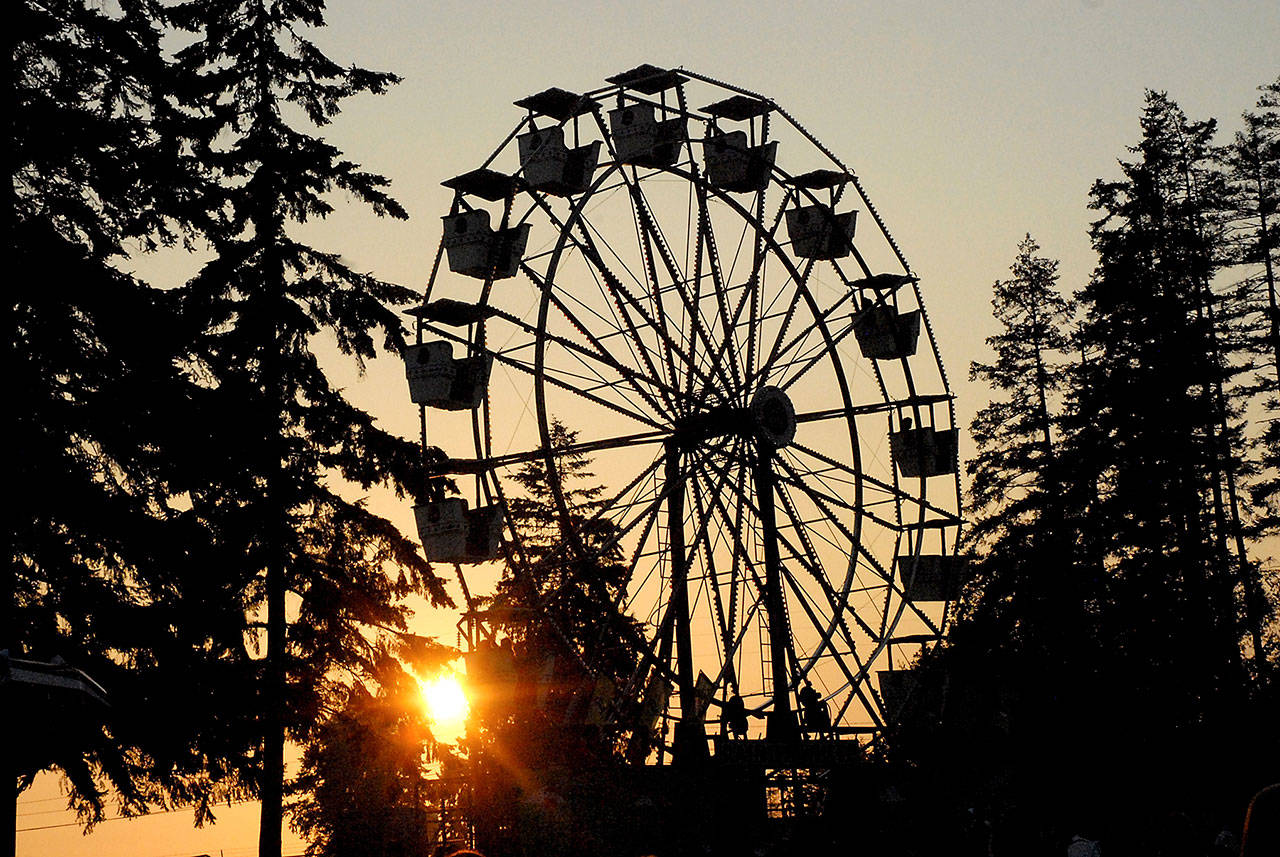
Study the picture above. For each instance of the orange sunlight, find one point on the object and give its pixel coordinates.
(447, 706)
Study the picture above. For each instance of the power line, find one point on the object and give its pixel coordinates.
(23, 801)
(43, 811)
(119, 817)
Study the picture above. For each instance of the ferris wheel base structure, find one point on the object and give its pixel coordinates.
(709, 302)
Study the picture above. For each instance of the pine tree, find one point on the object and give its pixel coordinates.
(571, 584)
(1023, 531)
(1155, 433)
(1252, 162)
(536, 695)
(1013, 473)
(99, 534)
(285, 448)
(364, 788)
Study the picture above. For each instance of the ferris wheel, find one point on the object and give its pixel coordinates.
(677, 270)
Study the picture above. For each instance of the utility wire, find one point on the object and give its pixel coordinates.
(121, 817)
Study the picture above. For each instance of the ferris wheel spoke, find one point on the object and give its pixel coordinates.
(624, 299)
(598, 354)
(649, 235)
(832, 498)
(581, 238)
(887, 487)
(726, 634)
(839, 603)
(731, 323)
(759, 263)
(742, 559)
(622, 526)
(691, 308)
(813, 566)
(707, 243)
(729, 345)
(588, 379)
(613, 406)
(821, 352)
(696, 279)
(779, 350)
(617, 325)
(853, 679)
(799, 293)
(886, 575)
(512, 459)
(801, 597)
(810, 563)
(597, 237)
(504, 358)
(889, 405)
(601, 354)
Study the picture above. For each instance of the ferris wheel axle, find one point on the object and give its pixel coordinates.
(770, 419)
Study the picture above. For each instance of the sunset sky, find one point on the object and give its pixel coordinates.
(969, 124)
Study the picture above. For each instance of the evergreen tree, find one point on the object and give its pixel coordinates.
(1253, 165)
(545, 776)
(1155, 427)
(285, 449)
(1013, 474)
(1023, 514)
(1099, 652)
(364, 786)
(100, 536)
(1253, 160)
(570, 583)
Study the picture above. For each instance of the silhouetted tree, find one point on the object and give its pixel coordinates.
(364, 785)
(1155, 428)
(1098, 655)
(569, 570)
(1253, 164)
(1013, 473)
(102, 548)
(285, 449)
(1022, 644)
(1024, 515)
(1253, 160)
(541, 756)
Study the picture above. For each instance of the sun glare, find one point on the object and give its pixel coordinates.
(446, 703)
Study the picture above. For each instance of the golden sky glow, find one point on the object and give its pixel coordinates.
(971, 124)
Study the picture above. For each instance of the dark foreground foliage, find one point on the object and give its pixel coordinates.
(186, 467)
(1113, 667)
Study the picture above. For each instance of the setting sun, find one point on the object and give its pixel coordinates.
(446, 703)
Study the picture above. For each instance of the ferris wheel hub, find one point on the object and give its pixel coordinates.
(774, 417)
(771, 418)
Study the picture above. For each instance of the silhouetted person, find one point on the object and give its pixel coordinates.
(816, 718)
(1262, 824)
(735, 716)
(906, 423)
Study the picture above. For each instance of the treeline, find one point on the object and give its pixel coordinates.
(180, 468)
(1113, 663)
